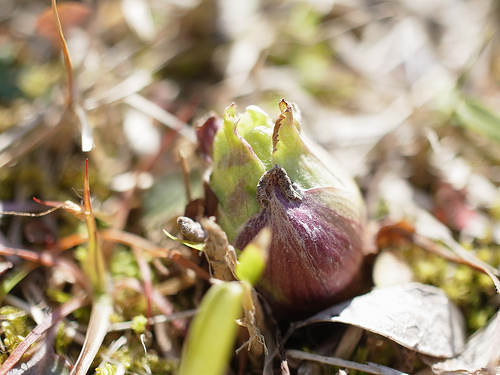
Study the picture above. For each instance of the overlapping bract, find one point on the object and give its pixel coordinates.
(269, 175)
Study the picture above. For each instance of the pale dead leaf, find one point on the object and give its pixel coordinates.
(390, 268)
(142, 134)
(138, 15)
(479, 353)
(417, 316)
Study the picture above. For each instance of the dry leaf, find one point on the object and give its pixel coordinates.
(220, 254)
(478, 354)
(417, 316)
(138, 16)
(390, 268)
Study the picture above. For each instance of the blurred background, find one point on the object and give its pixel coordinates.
(403, 93)
(375, 80)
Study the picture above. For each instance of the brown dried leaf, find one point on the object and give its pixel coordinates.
(220, 254)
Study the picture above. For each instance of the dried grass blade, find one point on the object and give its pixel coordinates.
(370, 368)
(67, 60)
(45, 258)
(95, 260)
(147, 280)
(71, 103)
(97, 330)
(102, 306)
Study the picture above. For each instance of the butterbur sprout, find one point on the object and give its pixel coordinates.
(270, 175)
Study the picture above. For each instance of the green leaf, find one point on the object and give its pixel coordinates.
(236, 172)
(252, 260)
(473, 115)
(256, 127)
(307, 165)
(194, 245)
(210, 340)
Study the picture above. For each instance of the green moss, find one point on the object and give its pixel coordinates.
(139, 324)
(129, 303)
(35, 81)
(58, 295)
(124, 357)
(123, 263)
(132, 357)
(63, 341)
(15, 328)
(116, 318)
(157, 365)
(107, 369)
(471, 290)
(81, 254)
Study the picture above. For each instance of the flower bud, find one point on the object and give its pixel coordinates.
(267, 175)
